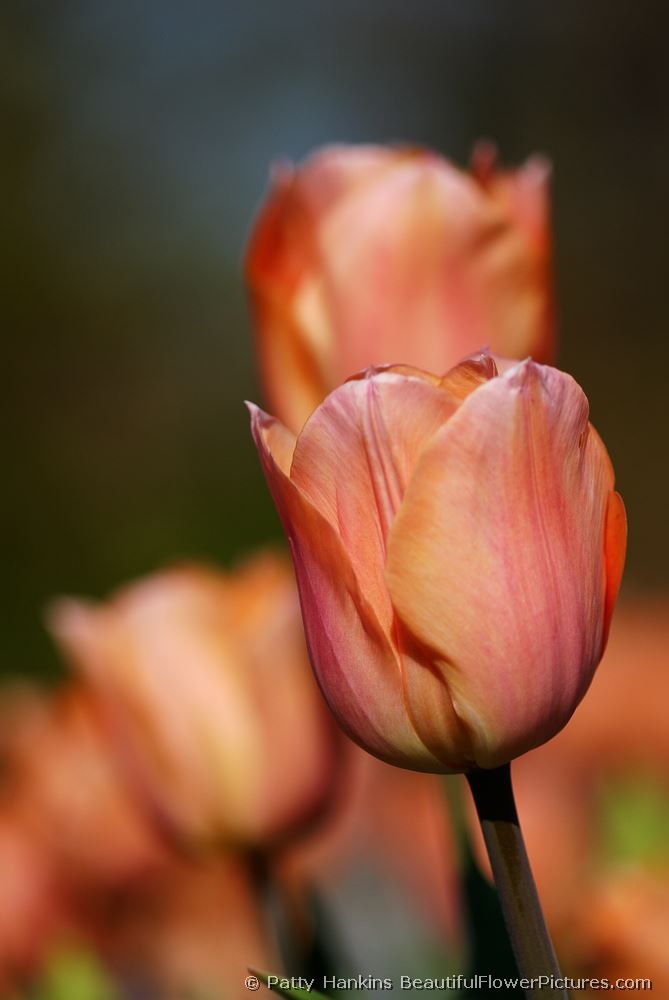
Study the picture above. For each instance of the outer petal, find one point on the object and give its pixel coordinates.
(283, 265)
(614, 546)
(354, 458)
(352, 658)
(523, 195)
(497, 562)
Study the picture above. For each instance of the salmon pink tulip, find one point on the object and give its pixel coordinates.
(33, 910)
(208, 692)
(69, 792)
(367, 255)
(458, 546)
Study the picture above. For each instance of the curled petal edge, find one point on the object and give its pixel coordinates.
(337, 616)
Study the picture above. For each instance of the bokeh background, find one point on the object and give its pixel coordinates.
(136, 142)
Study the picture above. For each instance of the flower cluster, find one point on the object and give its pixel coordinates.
(458, 545)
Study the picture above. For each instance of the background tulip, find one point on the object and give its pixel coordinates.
(366, 254)
(194, 934)
(32, 910)
(66, 786)
(458, 547)
(207, 688)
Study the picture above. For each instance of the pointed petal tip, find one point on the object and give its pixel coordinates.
(281, 172)
(258, 416)
(69, 620)
(484, 159)
(272, 439)
(538, 168)
(521, 373)
(255, 415)
(252, 408)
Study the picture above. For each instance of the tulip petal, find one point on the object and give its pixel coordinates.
(615, 544)
(426, 249)
(496, 562)
(354, 458)
(351, 654)
(283, 268)
(469, 375)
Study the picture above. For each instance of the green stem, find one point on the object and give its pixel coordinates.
(531, 943)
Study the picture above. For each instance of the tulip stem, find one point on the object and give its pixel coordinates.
(530, 940)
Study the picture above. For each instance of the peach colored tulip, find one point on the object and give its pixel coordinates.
(458, 546)
(67, 788)
(207, 686)
(623, 927)
(369, 255)
(32, 910)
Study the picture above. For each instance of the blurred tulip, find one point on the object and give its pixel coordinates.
(458, 547)
(195, 934)
(215, 713)
(623, 928)
(71, 796)
(32, 910)
(369, 255)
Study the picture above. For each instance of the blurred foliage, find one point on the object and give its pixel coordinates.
(633, 817)
(137, 142)
(73, 974)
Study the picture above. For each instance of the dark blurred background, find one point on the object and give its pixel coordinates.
(136, 141)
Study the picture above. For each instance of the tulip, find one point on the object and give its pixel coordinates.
(622, 925)
(32, 907)
(68, 790)
(367, 255)
(207, 688)
(458, 547)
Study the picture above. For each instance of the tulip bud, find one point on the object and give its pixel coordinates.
(458, 546)
(368, 254)
(207, 687)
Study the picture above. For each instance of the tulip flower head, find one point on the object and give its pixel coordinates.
(208, 691)
(458, 546)
(366, 254)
